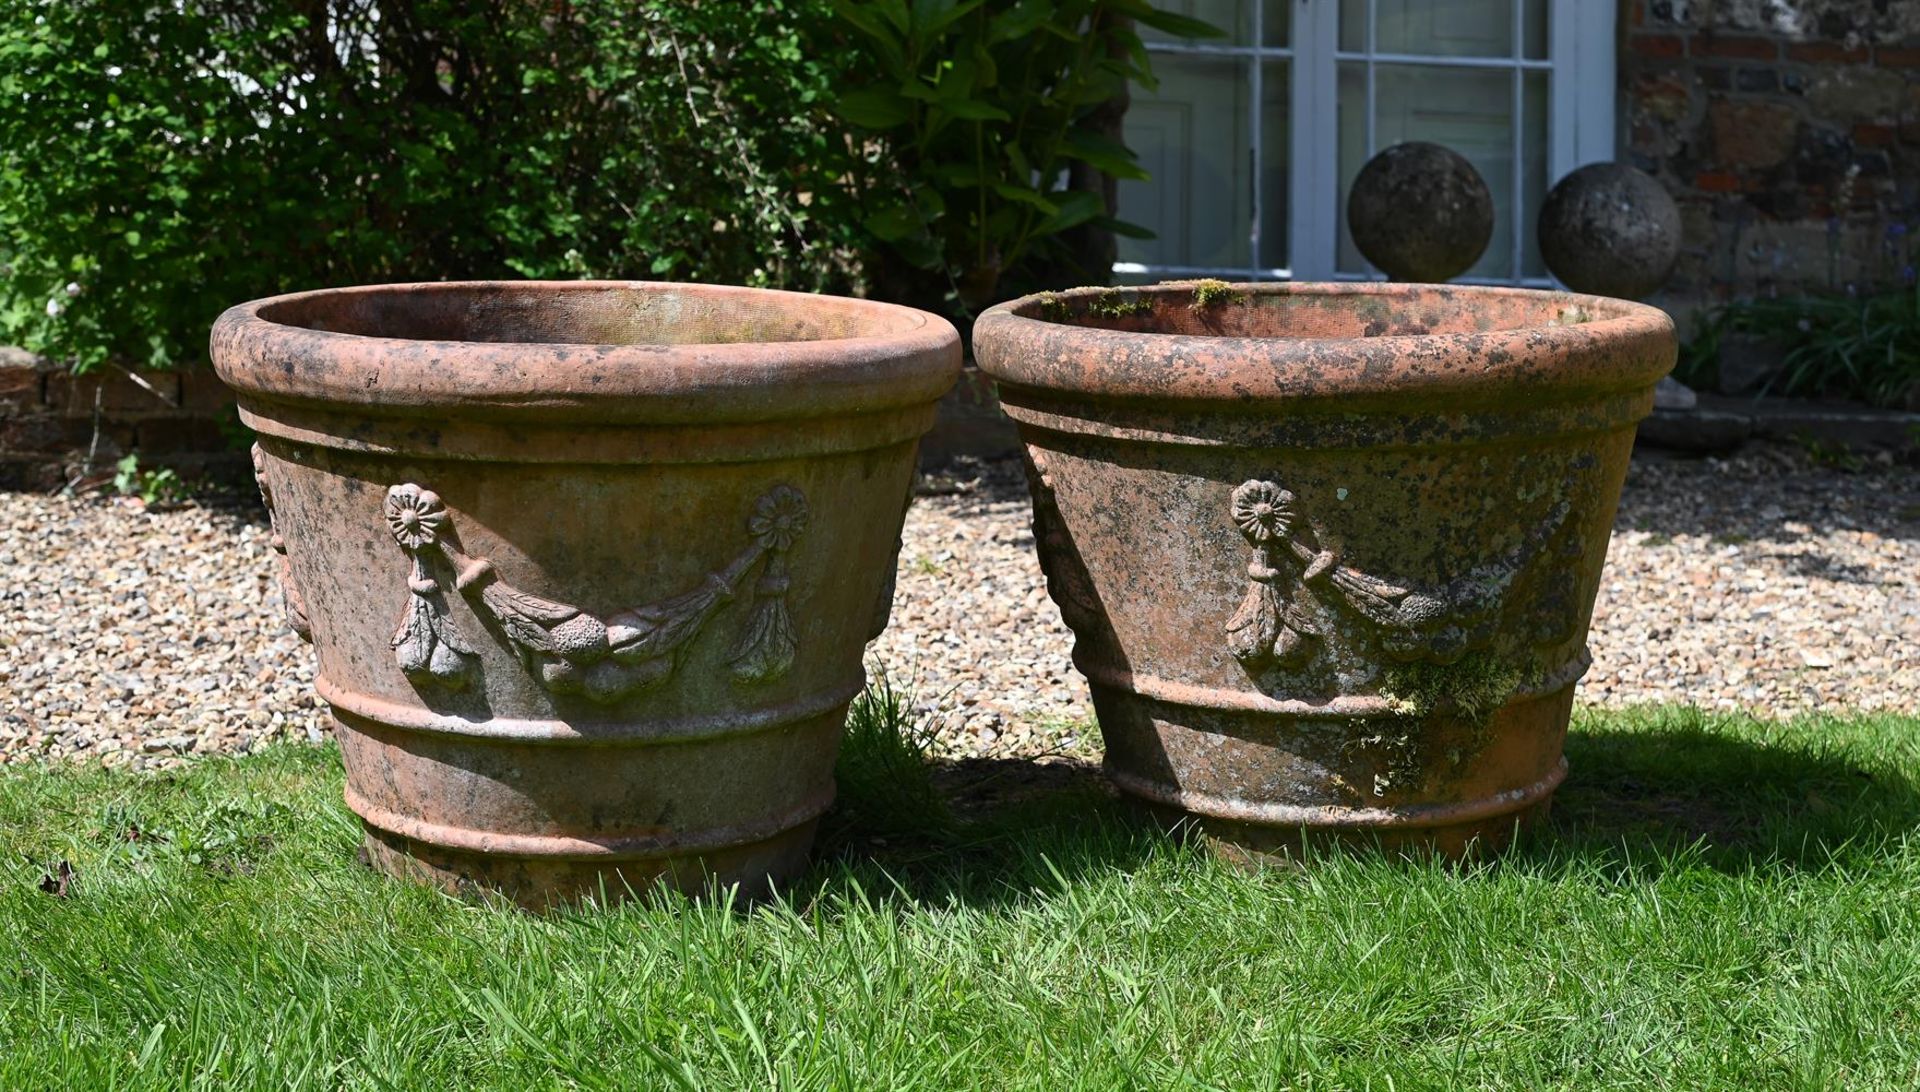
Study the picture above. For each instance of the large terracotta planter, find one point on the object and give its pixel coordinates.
(588, 567)
(1329, 552)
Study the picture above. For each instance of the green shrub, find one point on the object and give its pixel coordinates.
(1865, 347)
(160, 161)
(985, 120)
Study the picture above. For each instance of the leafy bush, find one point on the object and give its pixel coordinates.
(1865, 348)
(980, 115)
(160, 161)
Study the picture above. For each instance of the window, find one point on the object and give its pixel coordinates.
(1254, 140)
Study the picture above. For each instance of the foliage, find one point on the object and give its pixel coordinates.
(1865, 348)
(978, 115)
(156, 486)
(160, 161)
(1718, 903)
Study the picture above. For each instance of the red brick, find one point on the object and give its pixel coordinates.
(1742, 48)
(121, 397)
(1873, 136)
(202, 394)
(44, 434)
(170, 436)
(1667, 97)
(1826, 53)
(1717, 182)
(1897, 56)
(19, 390)
(1751, 134)
(1658, 45)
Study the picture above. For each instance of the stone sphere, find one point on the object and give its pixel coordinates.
(1610, 230)
(1420, 212)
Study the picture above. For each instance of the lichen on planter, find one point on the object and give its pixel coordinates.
(589, 567)
(1328, 552)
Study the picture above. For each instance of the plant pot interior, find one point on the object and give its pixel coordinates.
(1311, 312)
(588, 313)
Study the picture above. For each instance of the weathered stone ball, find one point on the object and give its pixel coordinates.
(1420, 212)
(1610, 230)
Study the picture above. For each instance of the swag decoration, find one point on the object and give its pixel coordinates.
(568, 649)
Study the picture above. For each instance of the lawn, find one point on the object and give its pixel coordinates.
(1719, 902)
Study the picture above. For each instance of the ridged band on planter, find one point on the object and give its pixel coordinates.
(589, 568)
(1329, 552)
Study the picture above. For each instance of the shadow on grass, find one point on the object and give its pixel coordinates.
(1648, 792)
(1672, 779)
(978, 832)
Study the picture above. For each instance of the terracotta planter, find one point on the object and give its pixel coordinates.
(588, 567)
(1329, 552)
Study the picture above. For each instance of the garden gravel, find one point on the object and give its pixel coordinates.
(1768, 581)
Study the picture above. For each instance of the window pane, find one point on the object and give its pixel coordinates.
(1350, 110)
(1446, 28)
(1276, 104)
(1233, 16)
(1533, 152)
(1466, 109)
(1353, 26)
(1277, 23)
(1534, 31)
(1193, 137)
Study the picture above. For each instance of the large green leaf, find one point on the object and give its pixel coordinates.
(874, 108)
(1026, 197)
(1074, 207)
(1167, 22)
(1019, 21)
(1104, 154)
(973, 110)
(894, 223)
(1123, 227)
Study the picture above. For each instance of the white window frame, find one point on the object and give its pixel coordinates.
(1580, 126)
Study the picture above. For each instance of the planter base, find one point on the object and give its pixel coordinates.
(1258, 788)
(754, 870)
(1254, 846)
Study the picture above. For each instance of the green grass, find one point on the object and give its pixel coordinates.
(1719, 903)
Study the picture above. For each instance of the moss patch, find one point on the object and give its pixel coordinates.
(1113, 304)
(1213, 293)
(1473, 686)
(1054, 308)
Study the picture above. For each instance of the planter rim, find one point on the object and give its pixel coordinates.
(1615, 345)
(871, 356)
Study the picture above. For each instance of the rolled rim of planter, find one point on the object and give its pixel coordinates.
(1323, 346)
(610, 352)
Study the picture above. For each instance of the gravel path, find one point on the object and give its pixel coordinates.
(1765, 581)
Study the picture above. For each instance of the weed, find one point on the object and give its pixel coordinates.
(1831, 456)
(1836, 346)
(156, 487)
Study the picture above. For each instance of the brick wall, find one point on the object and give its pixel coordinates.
(1789, 133)
(50, 420)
